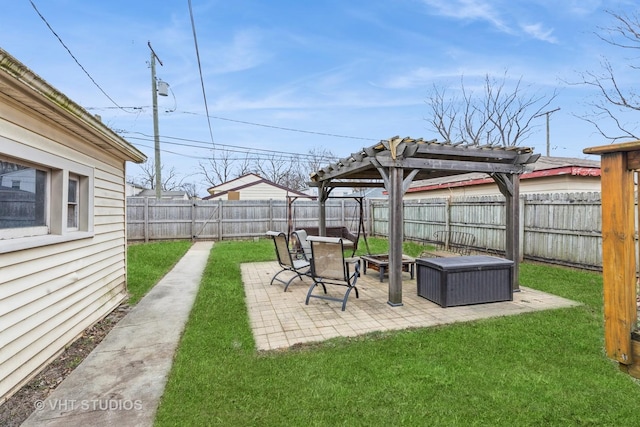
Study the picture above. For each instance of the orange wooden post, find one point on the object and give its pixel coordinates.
(618, 247)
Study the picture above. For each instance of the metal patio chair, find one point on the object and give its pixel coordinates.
(329, 267)
(301, 244)
(299, 267)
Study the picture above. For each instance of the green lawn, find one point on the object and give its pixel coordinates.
(544, 368)
(148, 263)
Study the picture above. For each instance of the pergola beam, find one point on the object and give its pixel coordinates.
(452, 165)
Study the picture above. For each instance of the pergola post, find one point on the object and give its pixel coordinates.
(512, 236)
(396, 235)
(509, 185)
(323, 195)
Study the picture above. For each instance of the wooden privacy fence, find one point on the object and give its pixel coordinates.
(149, 219)
(561, 228)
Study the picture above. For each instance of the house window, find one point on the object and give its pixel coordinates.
(53, 201)
(22, 206)
(72, 203)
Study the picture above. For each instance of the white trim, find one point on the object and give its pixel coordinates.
(12, 245)
(59, 170)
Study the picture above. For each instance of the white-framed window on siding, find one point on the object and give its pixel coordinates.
(43, 200)
(23, 199)
(72, 202)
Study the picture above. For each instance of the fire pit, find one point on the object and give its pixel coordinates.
(380, 263)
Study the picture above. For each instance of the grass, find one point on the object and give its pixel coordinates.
(544, 368)
(381, 246)
(148, 263)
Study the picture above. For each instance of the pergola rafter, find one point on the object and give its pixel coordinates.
(396, 162)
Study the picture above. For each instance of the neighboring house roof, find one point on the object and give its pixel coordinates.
(39, 96)
(164, 194)
(247, 181)
(234, 183)
(134, 189)
(544, 167)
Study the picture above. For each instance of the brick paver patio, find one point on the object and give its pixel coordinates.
(281, 319)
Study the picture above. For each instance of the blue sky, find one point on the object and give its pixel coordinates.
(345, 73)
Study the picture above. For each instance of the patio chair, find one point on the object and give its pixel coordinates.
(301, 244)
(329, 267)
(299, 267)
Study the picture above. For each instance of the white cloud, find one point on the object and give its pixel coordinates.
(482, 10)
(472, 10)
(538, 32)
(243, 53)
(584, 7)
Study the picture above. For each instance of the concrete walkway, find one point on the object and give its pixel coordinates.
(121, 382)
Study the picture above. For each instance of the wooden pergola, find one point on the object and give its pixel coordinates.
(618, 165)
(394, 164)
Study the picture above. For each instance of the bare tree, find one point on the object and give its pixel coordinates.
(275, 168)
(498, 116)
(612, 110)
(291, 171)
(191, 189)
(218, 169)
(244, 166)
(317, 158)
(171, 180)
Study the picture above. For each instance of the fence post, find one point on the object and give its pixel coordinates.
(220, 216)
(193, 221)
(367, 216)
(521, 227)
(146, 220)
(447, 222)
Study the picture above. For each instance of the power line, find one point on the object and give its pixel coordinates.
(285, 128)
(245, 122)
(75, 59)
(249, 149)
(204, 95)
(261, 153)
(256, 158)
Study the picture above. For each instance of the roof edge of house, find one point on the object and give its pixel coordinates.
(14, 68)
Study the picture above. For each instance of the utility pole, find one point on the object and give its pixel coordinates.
(548, 113)
(156, 135)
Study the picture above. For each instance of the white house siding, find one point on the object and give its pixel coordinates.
(238, 182)
(50, 293)
(260, 191)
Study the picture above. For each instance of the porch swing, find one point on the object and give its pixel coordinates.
(350, 240)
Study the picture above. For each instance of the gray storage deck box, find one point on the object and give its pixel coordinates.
(465, 280)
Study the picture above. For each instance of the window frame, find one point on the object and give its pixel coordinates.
(35, 230)
(59, 170)
(75, 225)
